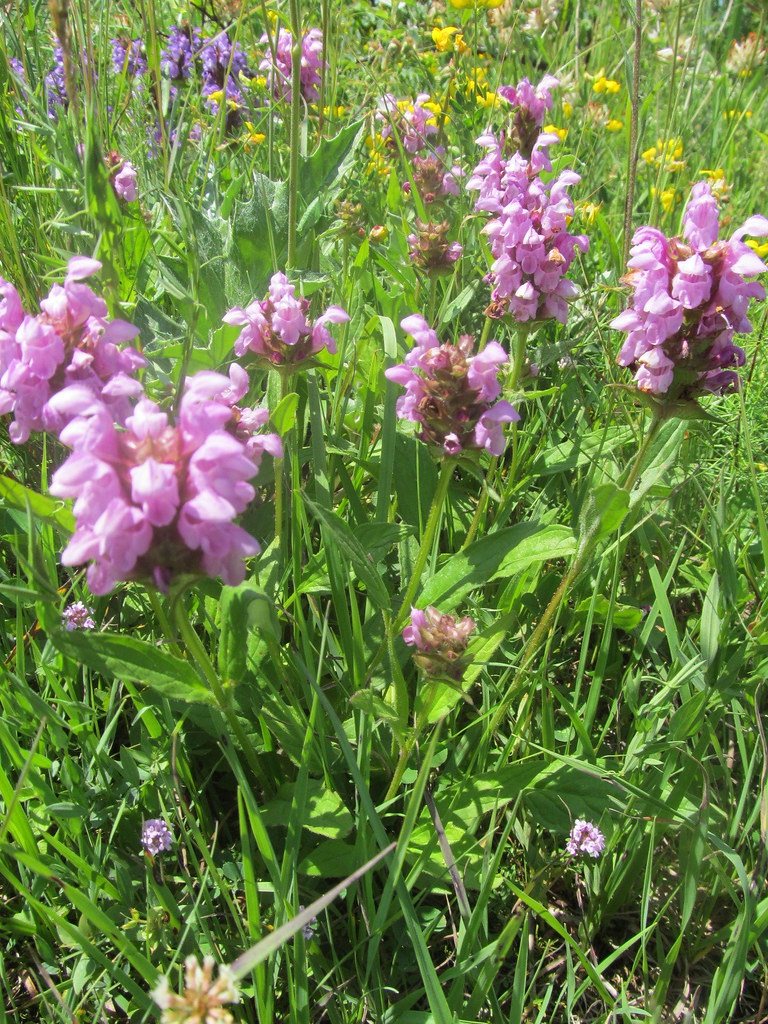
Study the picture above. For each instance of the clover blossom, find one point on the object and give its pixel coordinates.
(78, 616)
(279, 64)
(278, 330)
(155, 498)
(156, 837)
(690, 298)
(203, 999)
(585, 838)
(69, 341)
(452, 393)
(440, 641)
(529, 238)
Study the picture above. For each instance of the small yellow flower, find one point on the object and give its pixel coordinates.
(378, 234)
(614, 125)
(666, 154)
(588, 211)
(333, 111)
(567, 108)
(561, 133)
(738, 114)
(252, 137)
(603, 84)
(443, 37)
(760, 248)
(669, 198)
(460, 5)
(717, 183)
(489, 99)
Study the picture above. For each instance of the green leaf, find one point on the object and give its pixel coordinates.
(497, 556)
(284, 415)
(124, 657)
(242, 610)
(372, 704)
(624, 616)
(339, 533)
(602, 513)
(51, 510)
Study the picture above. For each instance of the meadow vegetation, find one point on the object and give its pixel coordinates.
(383, 511)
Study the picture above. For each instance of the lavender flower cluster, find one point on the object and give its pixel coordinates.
(530, 242)
(452, 393)
(278, 64)
(277, 329)
(70, 341)
(690, 298)
(153, 498)
(415, 124)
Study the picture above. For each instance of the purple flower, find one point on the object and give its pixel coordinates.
(585, 838)
(277, 329)
(689, 300)
(128, 57)
(124, 182)
(156, 837)
(279, 65)
(56, 85)
(450, 392)
(78, 616)
(440, 641)
(69, 341)
(413, 121)
(177, 60)
(153, 498)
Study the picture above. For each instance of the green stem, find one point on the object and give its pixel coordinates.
(402, 763)
(541, 632)
(196, 649)
(294, 133)
(651, 433)
(446, 473)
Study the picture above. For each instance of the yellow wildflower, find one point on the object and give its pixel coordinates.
(333, 111)
(717, 183)
(761, 248)
(460, 5)
(603, 84)
(561, 133)
(588, 211)
(669, 198)
(489, 99)
(665, 154)
(727, 114)
(614, 125)
(252, 137)
(448, 38)
(567, 108)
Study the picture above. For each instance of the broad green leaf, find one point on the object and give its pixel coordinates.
(124, 657)
(624, 616)
(603, 512)
(243, 609)
(284, 416)
(51, 510)
(497, 556)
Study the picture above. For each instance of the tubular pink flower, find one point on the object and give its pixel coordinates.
(689, 300)
(154, 499)
(450, 392)
(277, 329)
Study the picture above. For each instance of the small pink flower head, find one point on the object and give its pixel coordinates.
(440, 641)
(78, 616)
(279, 66)
(430, 249)
(450, 392)
(278, 330)
(585, 839)
(156, 837)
